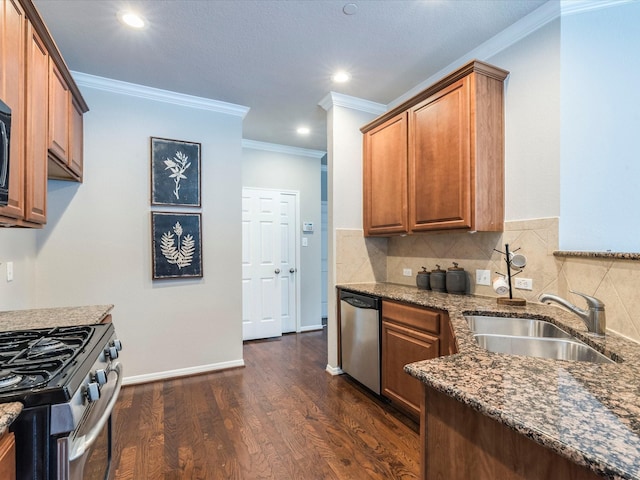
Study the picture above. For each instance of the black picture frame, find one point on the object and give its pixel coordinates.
(177, 245)
(175, 172)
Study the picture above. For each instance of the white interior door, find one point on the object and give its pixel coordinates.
(288, 268)
(269, 266)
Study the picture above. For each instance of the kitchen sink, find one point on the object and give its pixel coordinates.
(522, 327)
(554, 348)
(530, 337)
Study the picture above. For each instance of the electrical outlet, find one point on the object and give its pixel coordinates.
(407, 272)
(524, 284)
(483, 277)
(9, 271)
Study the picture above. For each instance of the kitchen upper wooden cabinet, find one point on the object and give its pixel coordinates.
(7, 456)
(12, 69)
(58, 114)
(76, 135)
(385, 173)
(36, 113)
(410, 334)
(453, 158)
(47, 109)
(65, 129)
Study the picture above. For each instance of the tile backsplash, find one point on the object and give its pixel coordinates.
(614, 281)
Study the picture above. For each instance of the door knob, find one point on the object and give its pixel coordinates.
(277, 271)
(292, 270)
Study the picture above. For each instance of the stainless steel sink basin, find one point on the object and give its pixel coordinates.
(522, 327)
(554, 348)
(530, 337)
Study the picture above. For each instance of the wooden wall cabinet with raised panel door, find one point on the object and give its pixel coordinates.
(7, 456)
(65, 128)
(410, 334)
(455, 154)
(12, 76)
(36, 112)
(33, 78)
(385, 178)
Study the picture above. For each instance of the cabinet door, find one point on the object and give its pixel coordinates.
(12, 71)
(59, 98)
(8, 456)
(385, 178)
(440, 166)
(76, 139)
(36, 131)
(402, 345)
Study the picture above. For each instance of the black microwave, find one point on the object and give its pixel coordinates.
(5, 136)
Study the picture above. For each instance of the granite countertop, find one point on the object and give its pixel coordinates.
(588, 413)
(53, 317)
(8, 413)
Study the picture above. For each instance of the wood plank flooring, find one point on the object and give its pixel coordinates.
(280, 417)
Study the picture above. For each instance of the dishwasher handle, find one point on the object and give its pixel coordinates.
(361, 301)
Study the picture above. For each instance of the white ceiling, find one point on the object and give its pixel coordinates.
(276, 56)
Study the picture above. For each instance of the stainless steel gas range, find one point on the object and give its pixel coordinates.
(68, 380)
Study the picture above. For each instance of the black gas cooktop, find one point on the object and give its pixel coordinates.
(46, 365)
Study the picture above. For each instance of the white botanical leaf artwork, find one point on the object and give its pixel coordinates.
(180, 254)
(175, 173)
(177, 166)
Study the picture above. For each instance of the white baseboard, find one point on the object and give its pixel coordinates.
(310, 328)
(334, 370)
(181, 372)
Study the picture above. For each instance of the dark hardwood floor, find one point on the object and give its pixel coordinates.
(280, 417)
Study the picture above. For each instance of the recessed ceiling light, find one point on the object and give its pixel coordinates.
(303, 130)
(131, 19)
(341, 77)
(350, 9)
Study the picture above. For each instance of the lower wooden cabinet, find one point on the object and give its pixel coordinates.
(459, 443)
(410, 334)
(7, 456)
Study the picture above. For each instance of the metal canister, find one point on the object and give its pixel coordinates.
(422, 279)
(437, 280)
(456, 280)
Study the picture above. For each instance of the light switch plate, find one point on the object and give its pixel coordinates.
(9, 271)
(407, 272)
(483, 277)
(524, 284)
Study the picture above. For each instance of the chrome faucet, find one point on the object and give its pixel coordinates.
(594, 317)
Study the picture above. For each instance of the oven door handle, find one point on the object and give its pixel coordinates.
(84, 443)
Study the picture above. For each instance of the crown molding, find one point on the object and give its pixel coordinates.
(274, 147)
(158, 95)
(333, 99)
(509, 36)
(579, 6)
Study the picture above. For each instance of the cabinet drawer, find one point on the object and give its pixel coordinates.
(415, 317)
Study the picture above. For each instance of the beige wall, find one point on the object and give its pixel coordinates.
(96, 247)
(615, 282)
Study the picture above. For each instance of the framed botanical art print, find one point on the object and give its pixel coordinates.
(177, 245)
(175, 172)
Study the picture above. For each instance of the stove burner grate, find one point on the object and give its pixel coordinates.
(29, 359)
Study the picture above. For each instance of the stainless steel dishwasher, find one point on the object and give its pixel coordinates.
(360, 338)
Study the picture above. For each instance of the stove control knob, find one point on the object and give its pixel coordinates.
(116, 343)
(92, 391)
(111, 352)
(100, 376)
